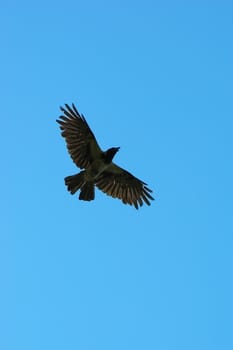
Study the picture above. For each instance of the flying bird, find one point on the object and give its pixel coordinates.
(96, 165)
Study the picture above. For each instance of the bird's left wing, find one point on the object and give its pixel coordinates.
(119, 183)
(80, 140)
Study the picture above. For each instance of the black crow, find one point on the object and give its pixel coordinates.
(98, 168)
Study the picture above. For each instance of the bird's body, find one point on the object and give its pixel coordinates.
(99, 170)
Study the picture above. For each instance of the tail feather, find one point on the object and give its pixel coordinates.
(87, 192)
(76, 182)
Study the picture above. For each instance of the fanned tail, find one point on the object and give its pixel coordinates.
(76, 182)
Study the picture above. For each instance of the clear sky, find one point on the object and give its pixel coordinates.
(155, 78)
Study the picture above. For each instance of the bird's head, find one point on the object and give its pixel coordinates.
(110, 153)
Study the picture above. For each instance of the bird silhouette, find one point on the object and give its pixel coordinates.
(96, 165)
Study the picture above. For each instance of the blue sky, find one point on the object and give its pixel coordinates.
(155, 78)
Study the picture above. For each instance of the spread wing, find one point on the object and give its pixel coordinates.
(119, 183)
(80, 140)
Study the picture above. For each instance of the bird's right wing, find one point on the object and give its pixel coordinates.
(80, 140)
(119, 183)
